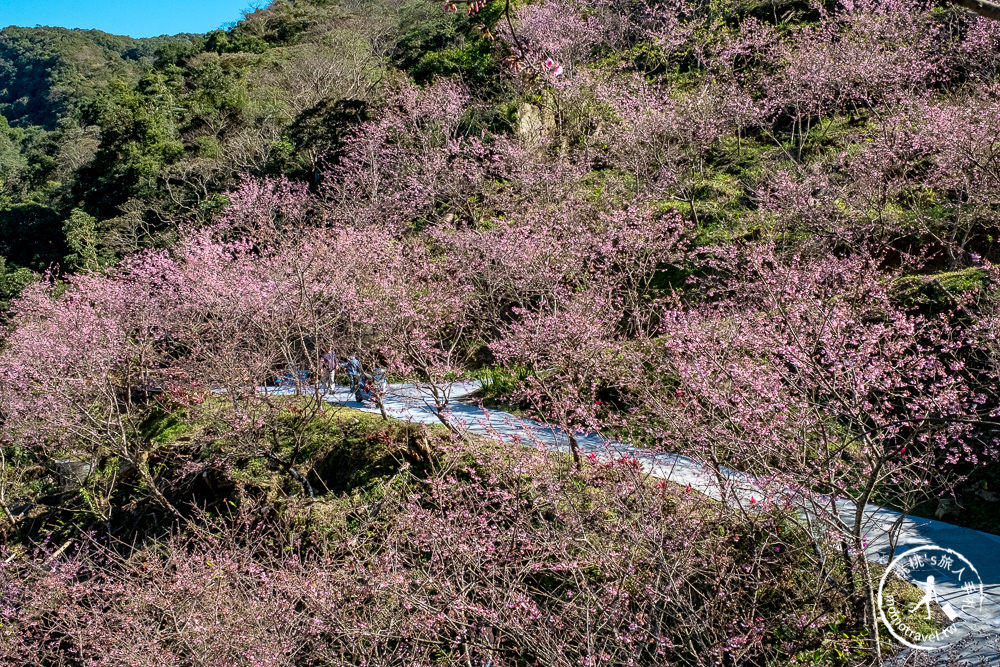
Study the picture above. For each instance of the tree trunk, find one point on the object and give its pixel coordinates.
(575, 449)
(381, 407)
(871, 606)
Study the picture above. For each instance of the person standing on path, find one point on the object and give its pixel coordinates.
(328, 369)
(353, 368)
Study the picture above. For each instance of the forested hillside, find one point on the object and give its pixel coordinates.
(759, 234)
(107, 142)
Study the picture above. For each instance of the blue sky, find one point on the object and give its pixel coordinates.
(138, 18)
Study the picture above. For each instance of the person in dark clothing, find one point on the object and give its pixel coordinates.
(353, 368)
(328, 369)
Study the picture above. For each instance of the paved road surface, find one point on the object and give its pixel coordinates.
(979, 640)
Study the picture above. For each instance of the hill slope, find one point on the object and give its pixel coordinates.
(109, 141)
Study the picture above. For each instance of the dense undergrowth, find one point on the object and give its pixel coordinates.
(421, 549)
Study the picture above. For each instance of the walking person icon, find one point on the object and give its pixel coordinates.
(929, 596)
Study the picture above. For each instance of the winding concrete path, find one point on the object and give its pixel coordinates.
(978, 638)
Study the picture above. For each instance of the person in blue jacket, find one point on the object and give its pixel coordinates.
(353, 368)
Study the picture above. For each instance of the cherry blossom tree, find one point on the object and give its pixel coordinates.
(807, 374)
(411, 162)
(78, 370)
(573, 336)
